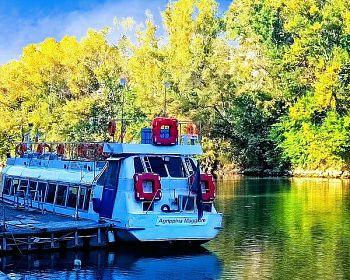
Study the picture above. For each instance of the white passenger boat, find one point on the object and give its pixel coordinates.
(147, 192)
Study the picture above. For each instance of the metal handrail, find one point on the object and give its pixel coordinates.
(149, 207)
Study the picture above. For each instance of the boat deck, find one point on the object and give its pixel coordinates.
(31, 229)
(20, 220)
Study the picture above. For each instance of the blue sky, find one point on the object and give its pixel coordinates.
(23, 22)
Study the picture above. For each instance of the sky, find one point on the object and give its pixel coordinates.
(24, 22)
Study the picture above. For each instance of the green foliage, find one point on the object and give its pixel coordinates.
(305, 45)
(268, 80)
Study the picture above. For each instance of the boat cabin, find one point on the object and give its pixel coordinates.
(141, 189)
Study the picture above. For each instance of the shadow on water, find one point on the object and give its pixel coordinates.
(124, 263)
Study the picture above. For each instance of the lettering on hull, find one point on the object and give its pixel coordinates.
(178, 221)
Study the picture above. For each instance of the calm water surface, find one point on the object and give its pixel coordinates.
(274, 229)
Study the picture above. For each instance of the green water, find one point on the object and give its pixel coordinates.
(273, 229)
(284, 229)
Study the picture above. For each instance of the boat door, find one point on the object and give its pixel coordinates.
(110, 188)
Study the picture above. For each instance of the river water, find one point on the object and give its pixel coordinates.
(273, 229)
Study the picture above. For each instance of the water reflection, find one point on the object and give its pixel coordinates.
(284, 229)
(273, 229)
(120, 264)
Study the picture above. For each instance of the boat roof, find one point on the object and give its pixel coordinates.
(50, 174)
(72, 172)
(149, 149)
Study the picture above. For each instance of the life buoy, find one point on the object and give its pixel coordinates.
(82, 150)
(192, 129)
(100, 152)
(112, 127)
(60, 149)
(21, 148)
(209, 192)
(41, 148)
(92, 151)
(140, 180)
(157, 125)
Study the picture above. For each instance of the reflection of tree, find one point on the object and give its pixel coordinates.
(283, 229)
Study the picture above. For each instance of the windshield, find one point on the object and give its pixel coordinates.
(158, 166)
(165, 166)
(175, 167)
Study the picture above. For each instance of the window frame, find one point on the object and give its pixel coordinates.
(14, 188)
(187, 173)
(8, 182)
(183, 167)
(37, 191)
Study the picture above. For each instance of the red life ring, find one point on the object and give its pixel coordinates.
(157, 125)
(140, 194)
(93, 151)
(82, 150)
(100, 152)
(60, 149)
(21, 148)
(209, 193)
(41, 148)
(112, 127)
(192, 129)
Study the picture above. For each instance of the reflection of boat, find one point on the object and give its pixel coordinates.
(144, 191)
(103, 264)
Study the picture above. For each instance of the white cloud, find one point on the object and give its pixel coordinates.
(16, 32)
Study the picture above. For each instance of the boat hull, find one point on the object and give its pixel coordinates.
(171, 228)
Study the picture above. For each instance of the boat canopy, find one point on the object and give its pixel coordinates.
(149, 149)
(51, 174)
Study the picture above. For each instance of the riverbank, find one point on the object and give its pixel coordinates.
(229, 170)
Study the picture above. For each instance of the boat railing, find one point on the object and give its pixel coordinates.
(179, 210)
(63, 150)
(152, 201)
(189, 133)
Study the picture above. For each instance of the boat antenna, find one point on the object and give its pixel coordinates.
(166, 86)
(123, 83)
(29, 136)
(22, 133)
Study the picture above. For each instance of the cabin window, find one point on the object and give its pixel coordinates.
(81, 197)
(32, 188)
(15, 183)
(87, 199)
(157, 165)
(40, 194)
(194, 167)
(84, 198)
(138, 165)
(7, 186)
(50, 196)
(112, 178)
(112, 174)
(61, 195)
(22, 188)
(72, 197)
(175, 167)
